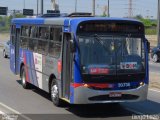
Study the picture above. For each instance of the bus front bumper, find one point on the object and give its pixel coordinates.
(84, 95)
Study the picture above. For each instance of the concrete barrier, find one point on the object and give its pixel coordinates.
(152, 39)
(154, 80)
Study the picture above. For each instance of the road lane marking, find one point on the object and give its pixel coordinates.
(16, 112)
(154, 90)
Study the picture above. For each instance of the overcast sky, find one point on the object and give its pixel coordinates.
(118, 8)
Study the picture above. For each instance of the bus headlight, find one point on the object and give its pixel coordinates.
(141, 83)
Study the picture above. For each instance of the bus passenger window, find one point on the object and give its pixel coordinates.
(34, 32)
(44, 33)
(42, 47)
(55, 41)
(33, 40)
(54, 49)
(52, 34)
(33, 44)
(24, 36)
(58, 34)
(13, 29)
(25, 31)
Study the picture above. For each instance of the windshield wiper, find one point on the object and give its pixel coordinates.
(99, 40)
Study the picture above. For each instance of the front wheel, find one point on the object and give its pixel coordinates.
(54, 91)
(25, 84)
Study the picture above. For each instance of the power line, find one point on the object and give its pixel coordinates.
(75, 5)
(41, 7)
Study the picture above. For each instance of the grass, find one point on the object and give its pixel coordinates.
(4, 36)
(150, 31)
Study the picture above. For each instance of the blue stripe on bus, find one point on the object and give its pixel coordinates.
(77, 70)
(28, 21)
(34, 76)
(71, 94)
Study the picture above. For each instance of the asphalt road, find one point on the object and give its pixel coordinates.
(154, 67)
(36, 104)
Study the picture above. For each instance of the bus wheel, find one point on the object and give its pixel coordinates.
(4, 54)
(55, 93)
(25, 84)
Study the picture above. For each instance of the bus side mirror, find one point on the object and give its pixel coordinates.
(148, 46)
(72, 46)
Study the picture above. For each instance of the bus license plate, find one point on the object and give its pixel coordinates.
(115, 94)
(128, 65)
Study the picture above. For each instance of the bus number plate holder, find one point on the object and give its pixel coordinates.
(115, 94)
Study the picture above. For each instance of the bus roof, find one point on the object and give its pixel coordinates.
(73, 22)
(64, 20)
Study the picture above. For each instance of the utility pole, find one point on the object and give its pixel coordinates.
(37, 7)
(41, 7)
(158, 24)
(75, 5)
(130, 9)
(14, 13)
(24, 4)
(108, 8)
(94, 7)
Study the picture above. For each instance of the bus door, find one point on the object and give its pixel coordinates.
(14, 50)
(17, 43)
(67, 67)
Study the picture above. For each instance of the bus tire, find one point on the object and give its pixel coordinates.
(54, 91)
(25, 84)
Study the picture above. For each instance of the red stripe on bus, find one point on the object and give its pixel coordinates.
(100, 85)
(75, 85)
(25, 67)
(59, 66)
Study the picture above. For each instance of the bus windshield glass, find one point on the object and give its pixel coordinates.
(111, 55)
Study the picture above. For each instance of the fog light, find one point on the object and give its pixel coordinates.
(141, 83)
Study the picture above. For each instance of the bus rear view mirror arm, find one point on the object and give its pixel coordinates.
(72, 46)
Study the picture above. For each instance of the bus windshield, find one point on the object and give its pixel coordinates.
(111, 55)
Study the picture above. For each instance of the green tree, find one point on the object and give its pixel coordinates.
(139, 17)
(7, 21)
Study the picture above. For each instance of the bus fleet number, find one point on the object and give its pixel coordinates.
(121, 85)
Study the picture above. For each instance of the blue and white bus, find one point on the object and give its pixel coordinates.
(82, 60)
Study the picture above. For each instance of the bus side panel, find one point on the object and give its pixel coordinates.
(27, 67)
(38, 68)
(33, 70)
(49, 66)
(71, 94)
(12, 59)
(26, 58)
